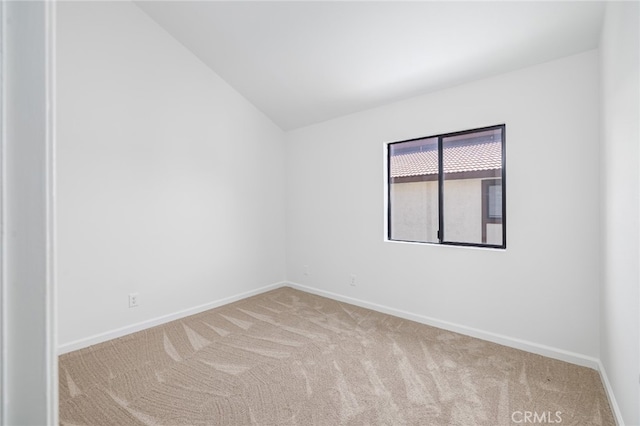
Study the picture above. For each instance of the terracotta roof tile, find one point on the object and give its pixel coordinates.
(464, 158)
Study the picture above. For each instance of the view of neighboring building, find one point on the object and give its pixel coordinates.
(472, 189)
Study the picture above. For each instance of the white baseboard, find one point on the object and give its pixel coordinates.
(544, 350)
(123, 331)
(617, 414)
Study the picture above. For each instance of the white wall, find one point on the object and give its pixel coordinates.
(170, 184)
(620, 299)
(28, 360)
(544, 288)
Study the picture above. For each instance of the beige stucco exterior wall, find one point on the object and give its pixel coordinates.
(414, 215)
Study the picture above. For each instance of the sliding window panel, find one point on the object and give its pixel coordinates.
(413, 190)
(472, 196)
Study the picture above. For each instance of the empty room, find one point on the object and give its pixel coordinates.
(320, 213)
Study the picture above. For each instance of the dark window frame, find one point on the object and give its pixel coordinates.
(491, 178)
(486, 217)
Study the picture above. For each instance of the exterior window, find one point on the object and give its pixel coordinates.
(449, 189)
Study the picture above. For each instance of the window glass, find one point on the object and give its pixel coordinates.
(448, 188)
(414, 192)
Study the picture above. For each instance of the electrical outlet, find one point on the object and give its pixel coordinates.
(305, 270)
(133, 300)
(352, 280)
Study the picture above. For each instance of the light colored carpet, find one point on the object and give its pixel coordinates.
(288, 357)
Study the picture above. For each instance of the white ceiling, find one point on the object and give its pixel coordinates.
(307, 62)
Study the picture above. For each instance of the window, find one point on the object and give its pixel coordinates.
(449, 189)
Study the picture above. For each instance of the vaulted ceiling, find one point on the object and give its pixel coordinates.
(306, 62)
